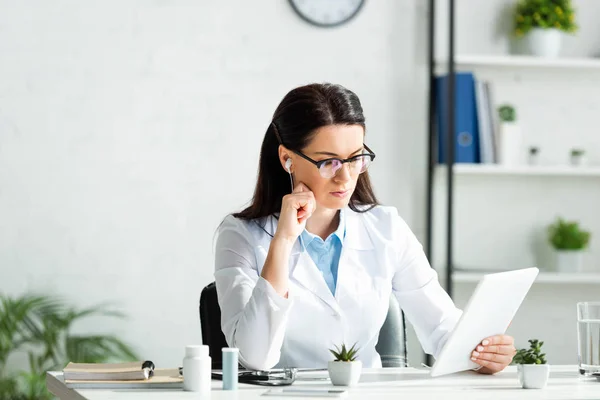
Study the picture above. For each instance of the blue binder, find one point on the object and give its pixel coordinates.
(466, 132)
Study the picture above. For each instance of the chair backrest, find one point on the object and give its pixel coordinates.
(391, 344)
(210, 324)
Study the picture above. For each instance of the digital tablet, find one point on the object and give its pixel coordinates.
(490, 310)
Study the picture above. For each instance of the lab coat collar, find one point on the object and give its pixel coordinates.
(356, 237)
(357, 234)
(307, 238)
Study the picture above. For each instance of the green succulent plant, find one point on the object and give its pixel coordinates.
(567, 235)
(577, 152)
(344, 354)
(507, 113)
(533, 355)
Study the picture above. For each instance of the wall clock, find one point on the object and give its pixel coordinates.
(327, 13)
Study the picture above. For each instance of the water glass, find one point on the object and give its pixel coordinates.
(588, 337)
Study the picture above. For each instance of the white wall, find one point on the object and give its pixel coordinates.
(128, 129)
(118, 120)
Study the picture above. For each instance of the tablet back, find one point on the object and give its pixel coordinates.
(490, 310)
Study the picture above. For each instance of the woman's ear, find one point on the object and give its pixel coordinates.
(285, 159)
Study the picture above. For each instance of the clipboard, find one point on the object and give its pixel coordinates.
(163, 378)
(126, 371)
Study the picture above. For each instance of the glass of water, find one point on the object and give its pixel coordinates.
(588, 337)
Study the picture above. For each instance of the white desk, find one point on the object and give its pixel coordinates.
(387, 383)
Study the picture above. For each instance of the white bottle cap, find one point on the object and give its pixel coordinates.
(231, 350)
(196, 351)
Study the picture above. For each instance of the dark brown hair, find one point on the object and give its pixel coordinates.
(301, 112)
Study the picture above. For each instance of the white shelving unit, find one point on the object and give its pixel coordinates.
(543, 277)
(516, 61)
(525, 170)
(498, 214)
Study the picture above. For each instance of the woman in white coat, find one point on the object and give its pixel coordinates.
(300, 271)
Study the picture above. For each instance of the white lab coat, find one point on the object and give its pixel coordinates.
(380, 256)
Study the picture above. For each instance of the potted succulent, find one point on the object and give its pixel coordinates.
(532, 369)
(509, 152)
(345, 369)
(542, 23)
(534, 155)
(568, 241)
(577, 157)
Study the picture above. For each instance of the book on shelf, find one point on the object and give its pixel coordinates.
(466, 130)
(476, 120)
(487, 122)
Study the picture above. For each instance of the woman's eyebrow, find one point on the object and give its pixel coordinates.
(328, 153)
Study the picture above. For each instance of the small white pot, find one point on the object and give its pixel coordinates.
(534, 157)
(533, 376)
(544, 42)
(569, 260)
(578, 160)
(510, 150)
(344, 373)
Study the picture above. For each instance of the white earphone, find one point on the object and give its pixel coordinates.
(288, 166)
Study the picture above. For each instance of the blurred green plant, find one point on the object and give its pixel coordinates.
(545, 14)
(533, 355)
(507, 113)
(577, 152)
(40, 327)
(567, 235)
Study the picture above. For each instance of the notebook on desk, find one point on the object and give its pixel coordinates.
(116, 371)
(139, 374)
(165, 378)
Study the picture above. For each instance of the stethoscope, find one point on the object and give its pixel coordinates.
(275, 377)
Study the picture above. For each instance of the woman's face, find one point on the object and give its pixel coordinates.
(339, 141)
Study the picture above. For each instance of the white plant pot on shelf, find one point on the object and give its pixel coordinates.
(344, 373)
(544, 42)
(510, 144)
(533, 376)
(578, 160)
(569, 260)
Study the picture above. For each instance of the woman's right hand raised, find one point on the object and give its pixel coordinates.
(296, 208)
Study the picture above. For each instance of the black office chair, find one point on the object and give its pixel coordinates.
(391, 345)
(210, 324)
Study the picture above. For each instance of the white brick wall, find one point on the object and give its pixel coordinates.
(128, 129)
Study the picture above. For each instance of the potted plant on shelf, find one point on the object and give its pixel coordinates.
(509, 138)
(534, 155)
(568, 241)
(532, 369)
(542, 23)
(344, 370)
(577, 157)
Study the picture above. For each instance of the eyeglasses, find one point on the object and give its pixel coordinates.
(329, 167)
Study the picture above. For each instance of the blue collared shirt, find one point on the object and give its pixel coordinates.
(326, 253)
